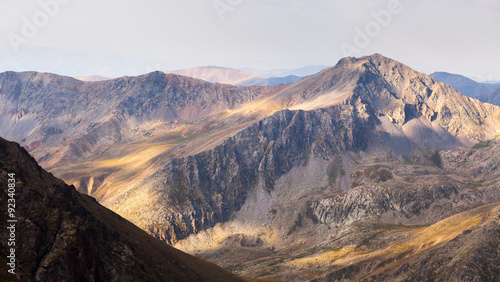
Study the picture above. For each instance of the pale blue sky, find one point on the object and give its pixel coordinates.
(123, 37)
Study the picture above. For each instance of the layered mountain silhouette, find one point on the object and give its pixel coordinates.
(485, 92)
(365, 165)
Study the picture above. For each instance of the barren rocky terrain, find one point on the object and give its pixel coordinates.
(62, 235)
(367, 170)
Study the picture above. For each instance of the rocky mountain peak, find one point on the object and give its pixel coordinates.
(403, 94)
(397, 96)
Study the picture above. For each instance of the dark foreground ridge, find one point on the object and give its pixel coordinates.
(62, 235)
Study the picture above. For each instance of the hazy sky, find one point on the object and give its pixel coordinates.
(123, 37)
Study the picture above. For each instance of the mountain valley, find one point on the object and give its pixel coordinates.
(367, 170)
(234, 77)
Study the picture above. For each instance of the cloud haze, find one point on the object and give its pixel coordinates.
(114, 38)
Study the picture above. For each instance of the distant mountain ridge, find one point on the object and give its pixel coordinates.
(492, 97)
(302, 71)
(270, 181)
(375, 100)
(41, 108)
(270, 81)
(234, 77)
(485, 92)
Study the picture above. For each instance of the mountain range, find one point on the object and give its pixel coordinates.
(234, 77)
(92, 78)
(367, 170)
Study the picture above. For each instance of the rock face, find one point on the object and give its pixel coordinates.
(62, 235)
(470, 256)
(418, 95)
(389, 107)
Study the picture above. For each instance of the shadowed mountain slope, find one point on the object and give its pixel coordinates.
(64, 235)
(307, 170)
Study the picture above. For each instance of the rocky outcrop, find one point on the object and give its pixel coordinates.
(492, 97)
(61, 235)
(409, 194)
(201, 190)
